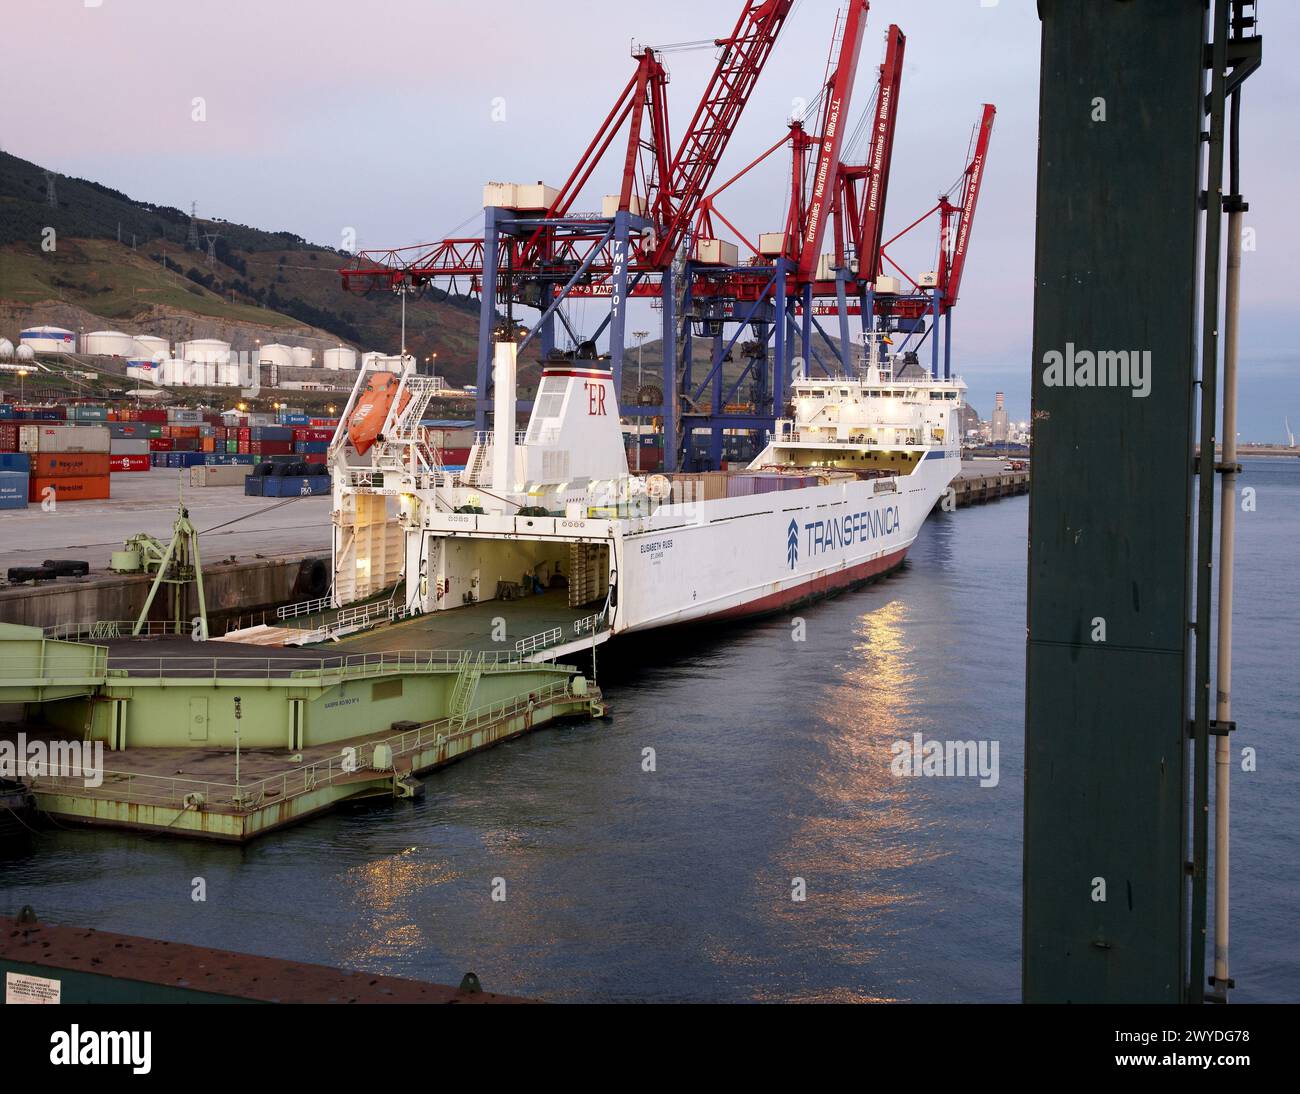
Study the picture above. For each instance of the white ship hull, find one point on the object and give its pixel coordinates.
(750, 555)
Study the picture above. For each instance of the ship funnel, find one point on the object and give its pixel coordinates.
(504, 379)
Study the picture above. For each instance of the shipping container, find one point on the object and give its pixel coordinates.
(160, 444)
(122, 463)
(68, 488)
(292, 486)
(129, 446)
(253, 486)
(77, 464)
(63, 438)
(13, 489)
(16, 461)
(8, 437)
(230, 474)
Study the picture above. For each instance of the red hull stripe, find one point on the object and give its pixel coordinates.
(817, 587)
(576, 372)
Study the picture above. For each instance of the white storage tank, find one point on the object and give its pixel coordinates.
(7, 349)
(149, 372)
(228, 374)
(25, 353)
(276, 354)
(173, 372)
(341, 359)
(149, 346)
(204, 351)
(49, 340)
(108, 343)
(302, 356)
(370, 359)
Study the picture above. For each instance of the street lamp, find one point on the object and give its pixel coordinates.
(22, 375)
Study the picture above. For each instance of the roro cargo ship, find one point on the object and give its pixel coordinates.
(836, 498)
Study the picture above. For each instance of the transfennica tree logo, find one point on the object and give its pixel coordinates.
(792, 543)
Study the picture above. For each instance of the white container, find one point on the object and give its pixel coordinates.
(108, 343)
(771, 244)
(221, 474)
(181, 416)
(715, 252)
(929, 280)
(519, 195)
(276, 354)
(887, 286)
(609, 205)
(43, 437)
(301, 357)
(128, 446)
(341, 359)
(49, 340)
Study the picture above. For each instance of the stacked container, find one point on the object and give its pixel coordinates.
(72, 460)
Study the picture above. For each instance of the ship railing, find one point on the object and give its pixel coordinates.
(539, 641)
(351, 762)
(305, 607)
(306, 668)
(486, 438)
(117, 628)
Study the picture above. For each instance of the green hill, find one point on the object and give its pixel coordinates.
(128, 263)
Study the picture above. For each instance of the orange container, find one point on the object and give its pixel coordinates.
(69, 487)
(59, 464)
(209, 444)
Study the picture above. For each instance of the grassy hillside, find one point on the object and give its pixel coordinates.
(260, 285)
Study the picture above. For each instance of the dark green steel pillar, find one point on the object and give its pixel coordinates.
(1106, 724)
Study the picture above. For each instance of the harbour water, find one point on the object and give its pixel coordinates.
(772, 747)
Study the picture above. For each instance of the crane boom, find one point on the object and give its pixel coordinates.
(951, 269)
(835, 109)
(871, 228)
(744, 54)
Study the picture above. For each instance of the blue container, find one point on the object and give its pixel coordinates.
(253, 486)
(295, 419)
(13, 490)
(16, 461)
(294, 486)
(183, 459)
(270, 433)
(303, 448)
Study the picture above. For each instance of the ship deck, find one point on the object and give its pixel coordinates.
(472, 627)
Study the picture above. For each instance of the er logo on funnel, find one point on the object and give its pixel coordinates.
(792, 543)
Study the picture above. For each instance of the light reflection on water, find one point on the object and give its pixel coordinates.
(772, 764)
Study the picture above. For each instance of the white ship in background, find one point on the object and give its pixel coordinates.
(835, 499)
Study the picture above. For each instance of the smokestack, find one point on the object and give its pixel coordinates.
(503, 422)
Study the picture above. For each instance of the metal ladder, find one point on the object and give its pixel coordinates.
(469, 669)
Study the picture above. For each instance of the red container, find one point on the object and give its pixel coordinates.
(243, 448)
(69, 488)
(160, 444)
(304, 434)
(152, 414)
(128, 463)
(270, 448)
(8, 437)
(245, 434)
(77, 464)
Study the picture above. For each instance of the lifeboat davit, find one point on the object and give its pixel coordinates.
(372, 410)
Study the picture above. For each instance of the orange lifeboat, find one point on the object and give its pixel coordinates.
(372, 410)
